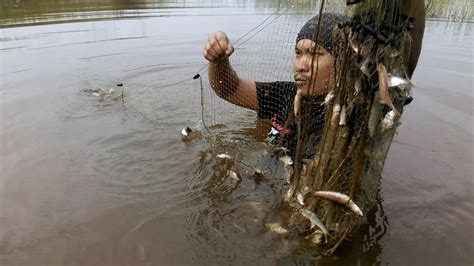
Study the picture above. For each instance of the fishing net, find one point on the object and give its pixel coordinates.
(332, 143)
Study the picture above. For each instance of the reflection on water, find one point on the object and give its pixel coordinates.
(31, 12)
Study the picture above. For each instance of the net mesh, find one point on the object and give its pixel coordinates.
(333, 140)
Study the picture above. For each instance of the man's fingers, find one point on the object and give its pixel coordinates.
(207, 56)
(207, 53)
(230, 50)
(223, 42)
(212, 52)
(217, 46)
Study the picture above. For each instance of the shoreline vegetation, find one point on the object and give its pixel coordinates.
(450, 10)
(26, 12)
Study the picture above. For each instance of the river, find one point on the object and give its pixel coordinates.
(93, 170)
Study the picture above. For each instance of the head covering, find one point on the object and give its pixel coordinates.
(310, 29)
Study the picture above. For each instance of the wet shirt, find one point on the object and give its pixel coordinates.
(275, 102)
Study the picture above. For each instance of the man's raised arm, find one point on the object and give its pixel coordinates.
(224, 80)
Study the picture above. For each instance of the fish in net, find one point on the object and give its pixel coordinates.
(331, 123)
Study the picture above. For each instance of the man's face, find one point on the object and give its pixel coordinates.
(312, 67)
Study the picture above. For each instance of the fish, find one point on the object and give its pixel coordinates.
(374, 118)
(383, 88)
(388, 121)
(233, 175)
(277, 228)
(335, 113)
(300, 198)
(342, 116)
(186, 131)
(287, 161)
(297, 103)
(340, 198)
(100, 92)
(328, 98)
(314, 220)
(288, 174)
(258, 173)
(393, 53)
(289, 193)
(357, 87)
(394, 81)
(354, 42)
(224, 156)
(188, 134)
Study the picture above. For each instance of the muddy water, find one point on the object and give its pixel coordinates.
(93, 173)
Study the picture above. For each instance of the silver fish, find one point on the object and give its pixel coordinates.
(336, 110)
(343, 117)
(289, 193)
(188, 134)
(233, 175)
(394, 81)
(224, 156)
(300, 198)
(329, 97)
(393, 53)
(338, 198)
(277, 228)
(314, 220)
(383, 88)
(186, 131)
(354, 42)
(288, 174)
(388, 121)
(374, 118)
(357, 87)
(297, 103)
(287, 161)
(258, 174)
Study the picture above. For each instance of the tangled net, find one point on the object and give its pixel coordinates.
(330, 191)
(363, 108)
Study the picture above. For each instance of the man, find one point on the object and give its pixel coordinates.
(313, 68)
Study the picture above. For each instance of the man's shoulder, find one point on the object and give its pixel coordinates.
(277, 84)
(274, 97)
(276, 89)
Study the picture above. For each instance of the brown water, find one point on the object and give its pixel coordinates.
(104, 180)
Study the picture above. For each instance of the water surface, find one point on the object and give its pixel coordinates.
(105, 179)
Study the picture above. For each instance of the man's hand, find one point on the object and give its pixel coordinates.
(217, 47)
(223, 79)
